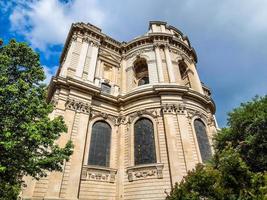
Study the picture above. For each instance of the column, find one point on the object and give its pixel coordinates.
(78, 137)
(185, 138)
(66, 63)
(123, 75)
(169, 64)
(194, 79)
(179, 76)
(159, 63)
(174, 143)
(97, 73)
(92, 65)
(79, 69)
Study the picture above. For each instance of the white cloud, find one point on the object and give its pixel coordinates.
(47, 22)
(49, 72)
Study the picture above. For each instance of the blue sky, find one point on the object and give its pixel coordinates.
(229, 36)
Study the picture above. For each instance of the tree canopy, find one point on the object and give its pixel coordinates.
(238, 168)
(27, 134)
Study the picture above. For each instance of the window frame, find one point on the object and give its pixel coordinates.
(195, 136)
(131, 141)
(113, 140)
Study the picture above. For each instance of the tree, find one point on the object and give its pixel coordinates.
(238, 168)
(27, 134)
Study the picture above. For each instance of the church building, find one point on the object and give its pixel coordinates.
(137, 113)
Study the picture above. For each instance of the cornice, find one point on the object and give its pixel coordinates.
(140, 93)
(94, 33)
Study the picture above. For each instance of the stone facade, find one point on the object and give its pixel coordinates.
(100, 79)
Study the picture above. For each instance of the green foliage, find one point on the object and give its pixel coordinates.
(27, 134)
(237, 170)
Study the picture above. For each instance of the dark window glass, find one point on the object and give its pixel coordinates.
(144, 144)
(143, 81)
(182, 68)
(202, 139)
(105, 88)
(100, 144)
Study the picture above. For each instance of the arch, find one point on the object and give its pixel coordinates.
(202, 139)
(144, 142)
(99, 152)
(141, 74)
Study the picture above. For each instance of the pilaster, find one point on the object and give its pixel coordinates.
(79, 131)
(159, 63)
(83, 53)
(92, 65)
(67, 62)
(169, 63)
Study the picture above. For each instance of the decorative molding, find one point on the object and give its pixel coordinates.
(100, 174)
(173, 108)
(150, 171)
(138, 52)
(54, 101)
(196, 113)
(151, 112)
(77, 105)
(116, 120)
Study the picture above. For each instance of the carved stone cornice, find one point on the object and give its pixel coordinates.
(173, 108)
(116, 120)
(191, 113)
(138, 52)
(150, 112)
(78, 106)
(142, 172)
(100, 174)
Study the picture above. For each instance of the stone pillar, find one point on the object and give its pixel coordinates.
(159, 63)
(174, 143)
(185, 137)
(92, 65)
(97, 74)
(81, 63)
(68, 56)
(194, 79)
(123, 75)
(169, 64)
(78, 136)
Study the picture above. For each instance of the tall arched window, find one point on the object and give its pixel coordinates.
(202, 139)
(144, 142)
(99, 152)
(141, 71)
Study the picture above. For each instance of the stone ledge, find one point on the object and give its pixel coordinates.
(148, 171)
(98, 173)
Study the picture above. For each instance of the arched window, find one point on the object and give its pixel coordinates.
(141, 71)
(144, 143)
(202, 139)
(99, 152)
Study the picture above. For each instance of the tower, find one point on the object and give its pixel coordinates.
(137, 113)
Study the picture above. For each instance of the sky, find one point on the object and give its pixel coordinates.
(229, 36)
